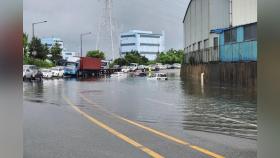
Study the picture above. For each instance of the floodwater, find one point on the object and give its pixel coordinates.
(182, 104)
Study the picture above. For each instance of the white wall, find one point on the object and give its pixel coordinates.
(244, 12)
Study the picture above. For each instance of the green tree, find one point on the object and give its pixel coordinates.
(96, 54)
(25, 44)
(170, 57)
(135, 57)
(55, 53)
(37, 49)
(120, 61)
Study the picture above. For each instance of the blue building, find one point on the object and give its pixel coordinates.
(238, 43)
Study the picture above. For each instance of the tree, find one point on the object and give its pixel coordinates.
(135, 57)
(55, 53)
(37, 49)
(25, 44)
(170, 57)
(120, 61)
(96, 54)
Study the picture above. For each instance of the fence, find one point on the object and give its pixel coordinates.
(202, 56)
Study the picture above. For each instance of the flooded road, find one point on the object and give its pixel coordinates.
(175, 106)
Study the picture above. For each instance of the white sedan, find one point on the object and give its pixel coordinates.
(47, 73)
(57, 71)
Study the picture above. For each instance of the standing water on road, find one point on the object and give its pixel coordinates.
(174, 103)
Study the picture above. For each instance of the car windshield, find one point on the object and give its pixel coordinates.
(71, 64)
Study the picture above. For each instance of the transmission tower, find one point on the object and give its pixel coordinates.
(106, 26)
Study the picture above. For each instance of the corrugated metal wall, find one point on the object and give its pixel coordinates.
(203, 16)
(244, 12)
(239, 51)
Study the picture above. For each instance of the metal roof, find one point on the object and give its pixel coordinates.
(187, 10)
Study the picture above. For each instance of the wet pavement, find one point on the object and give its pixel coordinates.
(70, 118)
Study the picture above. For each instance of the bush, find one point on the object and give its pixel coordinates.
(96, 54)
(38, 62)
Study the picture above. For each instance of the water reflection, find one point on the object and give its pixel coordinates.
(220, 109)
(184, 104)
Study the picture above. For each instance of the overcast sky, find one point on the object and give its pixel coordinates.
(68, 18)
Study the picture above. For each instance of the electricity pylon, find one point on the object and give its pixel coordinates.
(106, 24)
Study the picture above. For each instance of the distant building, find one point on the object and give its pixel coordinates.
(67, 55)
(145, 42)
(50, 42)
(220, 30)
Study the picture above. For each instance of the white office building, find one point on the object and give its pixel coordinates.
(69, 55)
(145, 42)
(66, 55)
(50, 42)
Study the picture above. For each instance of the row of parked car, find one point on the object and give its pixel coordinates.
(33, 72)
(154, 67)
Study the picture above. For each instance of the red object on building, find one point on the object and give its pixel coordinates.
(89, 63)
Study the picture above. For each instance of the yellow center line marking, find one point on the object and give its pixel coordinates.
(114, 132)
(166, 136)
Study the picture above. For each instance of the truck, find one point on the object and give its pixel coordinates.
(86, 66)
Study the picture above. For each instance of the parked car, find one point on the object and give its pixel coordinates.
(133, 66)
(158, 76)
(57, 71)
(116, 67)
(125, 69)
(27, 73)
(141, 67)
(176, 66)
(47, 73)
(163, 67)
(168, 66)
(32, 69)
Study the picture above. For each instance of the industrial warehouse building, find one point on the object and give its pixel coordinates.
(220, 31)
(144, 42)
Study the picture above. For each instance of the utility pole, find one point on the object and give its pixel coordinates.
(81, 38)
(33, 27)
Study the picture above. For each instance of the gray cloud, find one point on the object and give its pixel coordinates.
(68, 18)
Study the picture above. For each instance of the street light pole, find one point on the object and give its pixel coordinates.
(33, 27)
(81, 38)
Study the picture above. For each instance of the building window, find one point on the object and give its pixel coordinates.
(150, 36)
(250, 32)
(149, 44)
(199, 45)
(216, 42)
(206, 43)
(230, 36)
(194, 46)
(128, 44)
(124, 36)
